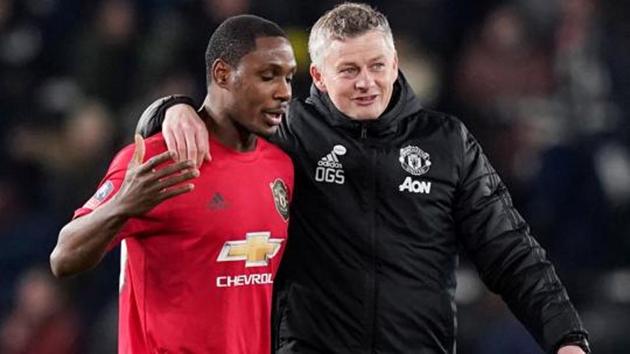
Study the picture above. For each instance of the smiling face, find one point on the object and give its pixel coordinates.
(260, 86)
(358, 74)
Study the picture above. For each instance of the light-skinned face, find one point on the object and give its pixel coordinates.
(358, 74)
(261, 86)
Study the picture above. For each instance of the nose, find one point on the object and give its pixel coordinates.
(364, 80)
(283, 91)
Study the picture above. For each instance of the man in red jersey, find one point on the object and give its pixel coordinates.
(189, 286)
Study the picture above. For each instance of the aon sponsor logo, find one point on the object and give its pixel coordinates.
(410, 185)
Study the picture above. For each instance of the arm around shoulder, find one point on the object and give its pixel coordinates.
(150, 122)
(185, 133)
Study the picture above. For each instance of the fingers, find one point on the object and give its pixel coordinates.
(175, 142)
(191, 145)
(138, 153)
(203, 152)
(180, 145)
(203, 144)
(193, 138)
(195, 135)
(175, 191)
(155, 161)
(173, 133)
(171, 169)
(186, 134)
(175, 179)
(171, 143)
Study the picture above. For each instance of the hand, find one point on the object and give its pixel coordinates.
(145, 187)
(570, 349)
(186, 134)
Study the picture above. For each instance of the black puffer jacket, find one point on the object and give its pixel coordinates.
(378, 212)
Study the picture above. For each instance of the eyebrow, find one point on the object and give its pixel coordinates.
(278, 67)
(378, 57)
(351, 63)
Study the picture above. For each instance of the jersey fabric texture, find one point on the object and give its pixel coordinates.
(197, 270)
(380, 211)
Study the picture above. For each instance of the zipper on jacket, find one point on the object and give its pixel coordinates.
(363, 131)
(373, 286)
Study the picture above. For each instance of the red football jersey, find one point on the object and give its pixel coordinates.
(197, 270)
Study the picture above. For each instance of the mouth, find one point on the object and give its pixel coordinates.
(273, 117)
(365, 100)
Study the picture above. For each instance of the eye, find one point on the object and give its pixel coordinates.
(349, 70)
(267, 76)
(378, 66)
(289, 79)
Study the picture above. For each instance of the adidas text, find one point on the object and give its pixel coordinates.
(411, 185)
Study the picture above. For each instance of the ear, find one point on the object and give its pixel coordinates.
(396, 64)
(221, 72)
(318, 78)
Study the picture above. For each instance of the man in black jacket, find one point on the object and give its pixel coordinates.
(385, 191)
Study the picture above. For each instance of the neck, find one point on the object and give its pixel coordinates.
(221, 127)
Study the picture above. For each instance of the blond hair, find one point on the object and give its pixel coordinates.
(347, 20)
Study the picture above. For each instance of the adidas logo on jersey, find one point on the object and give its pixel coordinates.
(329, 168)
(411, 185)
(217, 202)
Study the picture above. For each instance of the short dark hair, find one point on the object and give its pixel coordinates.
(236, 37)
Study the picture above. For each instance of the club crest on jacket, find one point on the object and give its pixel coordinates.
(414, 160)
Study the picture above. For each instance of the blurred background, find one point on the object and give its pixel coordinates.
(543, 84)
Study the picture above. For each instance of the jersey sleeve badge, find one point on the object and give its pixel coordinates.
(101, 194)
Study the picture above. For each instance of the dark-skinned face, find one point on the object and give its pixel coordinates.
(261, 86)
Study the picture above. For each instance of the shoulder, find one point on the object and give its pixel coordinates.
(445, 120)
(153, 146)
(299, 109)
(298, 104)
(273, 151)
(274, 157)
(447, 124)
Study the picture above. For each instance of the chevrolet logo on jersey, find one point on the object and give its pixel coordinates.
(256, 250)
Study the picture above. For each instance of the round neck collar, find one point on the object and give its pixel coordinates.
(243, 156)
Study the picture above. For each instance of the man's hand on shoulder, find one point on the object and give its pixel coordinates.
(145, 186)
(571, 349)
(186, 134)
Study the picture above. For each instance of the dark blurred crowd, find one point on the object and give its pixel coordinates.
(543, 84)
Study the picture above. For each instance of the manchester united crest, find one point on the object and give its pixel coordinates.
(414, 160)
(280, 194)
